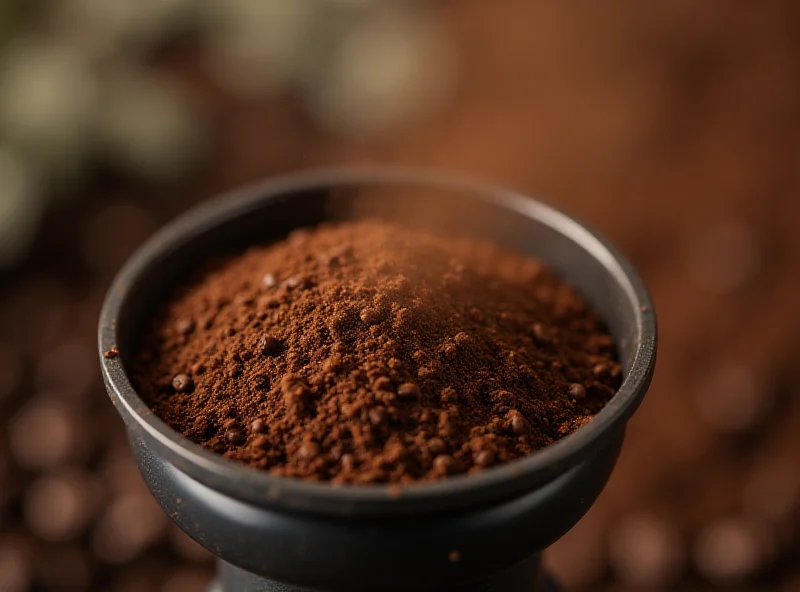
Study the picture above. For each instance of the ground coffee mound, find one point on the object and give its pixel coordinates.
(365, 352)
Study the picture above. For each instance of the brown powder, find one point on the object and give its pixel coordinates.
(365, 352)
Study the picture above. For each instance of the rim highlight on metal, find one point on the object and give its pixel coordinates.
(258, 486)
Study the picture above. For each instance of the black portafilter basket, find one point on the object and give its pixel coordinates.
(481, 532)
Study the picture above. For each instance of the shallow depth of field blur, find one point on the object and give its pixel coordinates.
(673, 127)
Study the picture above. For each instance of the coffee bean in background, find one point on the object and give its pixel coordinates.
(671, 127)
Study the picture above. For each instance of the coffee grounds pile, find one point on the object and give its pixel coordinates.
(365, 352)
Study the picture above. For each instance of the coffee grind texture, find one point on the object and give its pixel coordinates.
(365, 352)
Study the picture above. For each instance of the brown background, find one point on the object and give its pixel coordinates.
(674, 127)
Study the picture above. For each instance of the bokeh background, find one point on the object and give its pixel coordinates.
(674, 127)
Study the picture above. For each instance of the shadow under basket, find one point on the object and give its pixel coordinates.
(481, 532)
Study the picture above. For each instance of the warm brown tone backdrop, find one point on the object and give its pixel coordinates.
(673, 127)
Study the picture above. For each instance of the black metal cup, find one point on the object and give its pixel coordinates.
(469, 533)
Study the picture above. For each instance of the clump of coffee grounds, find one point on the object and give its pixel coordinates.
(366, 352)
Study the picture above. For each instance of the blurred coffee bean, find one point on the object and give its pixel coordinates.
(149, 127)
(120, 472)
(11, 370)
(130, 524)
(112, 233)
(186, 547)
(187, 579)
(34, 313)
(65, 569)
(731, 550)
(48, 94)
(68, 369)
(392, 67)
(772, 490)
(142, 576)
(21, 205)
(260, 48)
(577, 560)
(731, 398)
(105, 30)
(43, 434)
(724, 256)
(12, 484)
(792, 584)
(59, 506)
(646, 551)
(16, 564)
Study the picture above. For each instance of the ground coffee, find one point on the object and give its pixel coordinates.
(365, 352)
